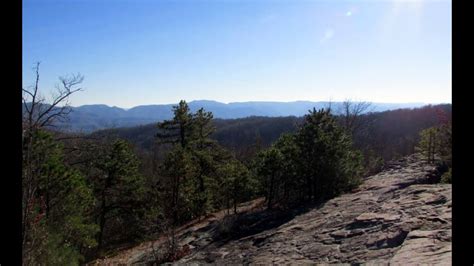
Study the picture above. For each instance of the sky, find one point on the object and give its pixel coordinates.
(144, 52)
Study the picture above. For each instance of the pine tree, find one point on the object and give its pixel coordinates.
(196, 168)
(271, 172)
(177, 171)
(235, 185)
(329, 162)
(202, 129)
(179, 129)
(435, 145)
(291, 182)
(118, 186)
(202, 150)
(57, 221)
(316, 163)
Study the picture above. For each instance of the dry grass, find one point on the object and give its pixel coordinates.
(127, 256)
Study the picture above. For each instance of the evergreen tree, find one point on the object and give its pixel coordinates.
(316, 163)
(119, 189)
(289, 166)
(57, 217)
(436, 146)
(236, 184)
(179, 129)
(202, 129)
(428, 142)
(196, 169)
(177, 171)
(330, 165)
(202, 150)
(271, 172)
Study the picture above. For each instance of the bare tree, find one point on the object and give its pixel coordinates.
(351, 112)
(38, 114)
(328, 106)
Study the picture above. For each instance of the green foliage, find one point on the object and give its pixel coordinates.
(315, 163)
(197, 175)
(102, 194)
(373, 163)
(119, 190)
(179, 129)
(445, 143)
(428, 142)
(202, 129)
(236, 186)
(57, 225)
(388, 134)
(436, 144)
(447, 177)
(271, 171)
(176, 172)
(55, 251)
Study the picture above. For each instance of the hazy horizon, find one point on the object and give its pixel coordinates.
(143, 52)
(236, 102)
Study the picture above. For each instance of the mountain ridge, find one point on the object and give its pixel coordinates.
(251, 102)
(92, 117)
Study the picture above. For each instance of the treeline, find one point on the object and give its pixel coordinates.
(394, 134)
(381, 136)
(84, 195)
(238, 135)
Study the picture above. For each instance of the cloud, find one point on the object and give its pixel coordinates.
(328, 34)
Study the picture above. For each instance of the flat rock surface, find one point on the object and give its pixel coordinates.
(396, 216)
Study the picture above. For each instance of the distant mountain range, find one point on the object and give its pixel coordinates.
(88, 118)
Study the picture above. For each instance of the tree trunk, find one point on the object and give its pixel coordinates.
(270, 192)
(101, 228)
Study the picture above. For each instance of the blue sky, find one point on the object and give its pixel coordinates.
(150, 52)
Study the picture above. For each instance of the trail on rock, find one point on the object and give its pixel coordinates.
(397, 216)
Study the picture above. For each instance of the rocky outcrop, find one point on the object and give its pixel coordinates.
(397, 216)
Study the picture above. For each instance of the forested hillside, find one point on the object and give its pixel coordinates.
(387, 134)
(397, 216)
(235, 133)
(85, 195)
(88, 118)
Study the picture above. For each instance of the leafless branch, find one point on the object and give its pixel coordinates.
(351, 112)
(41, 115)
